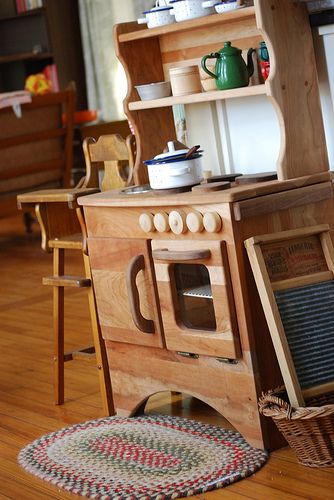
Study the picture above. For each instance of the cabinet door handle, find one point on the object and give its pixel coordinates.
(165, 254)
(137, 264)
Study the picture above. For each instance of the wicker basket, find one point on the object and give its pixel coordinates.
(308, 430)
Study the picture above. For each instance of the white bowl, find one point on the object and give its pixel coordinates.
(154, 90)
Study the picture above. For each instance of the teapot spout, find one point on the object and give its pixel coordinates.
(250, 64)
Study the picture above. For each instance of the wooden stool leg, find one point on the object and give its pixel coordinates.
(100, 351)
(58, 327)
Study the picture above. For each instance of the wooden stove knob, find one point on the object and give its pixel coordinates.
(177, 221)
(146, 222)
(195, 222)
(212, 222)
(161, 223)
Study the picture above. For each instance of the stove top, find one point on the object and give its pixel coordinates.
(140, 196)
(146, 188)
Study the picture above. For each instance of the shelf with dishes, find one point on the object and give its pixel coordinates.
(139, 32)
(150, 55)
(198, 97)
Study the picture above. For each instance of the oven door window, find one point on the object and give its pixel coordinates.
(196, 297)
(194, 308)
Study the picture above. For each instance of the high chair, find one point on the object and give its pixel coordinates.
(62, 229)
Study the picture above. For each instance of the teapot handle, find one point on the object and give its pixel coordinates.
(214, 55)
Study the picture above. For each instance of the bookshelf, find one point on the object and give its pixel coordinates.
(37, 37)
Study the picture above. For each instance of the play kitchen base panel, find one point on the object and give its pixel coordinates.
(177, 302)
(138, 372)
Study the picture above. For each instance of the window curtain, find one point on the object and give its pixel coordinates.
(105, 77)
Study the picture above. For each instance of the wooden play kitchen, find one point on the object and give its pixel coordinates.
(177, 302)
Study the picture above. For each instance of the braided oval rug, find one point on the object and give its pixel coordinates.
(148, 457)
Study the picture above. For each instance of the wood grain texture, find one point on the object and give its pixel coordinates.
(302, 281)
(299, 240)
(275, 325)
(37, 149)
(109, 262)
(286, 30)
(138, 372)
(237, 193)
(257, 353)
(111, 154)
(54, 195)
(65, 281)
(223, 341)
(27, 409)
(283, 200)
(212, 95)
(137, 264)
(152, 129)
(136, 32)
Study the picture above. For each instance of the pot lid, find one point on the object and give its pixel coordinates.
(176, 153)
(166, 161)
(229, 50)
(171, 154)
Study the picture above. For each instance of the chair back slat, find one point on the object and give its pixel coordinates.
(112, 154)
(38, 145)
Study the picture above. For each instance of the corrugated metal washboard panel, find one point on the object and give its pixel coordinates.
(307, 314)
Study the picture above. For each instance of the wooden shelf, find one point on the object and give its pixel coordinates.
(200, 97)
(31, 12)
(51, 29)
(147, 55)
(25, 56)
(212, 19)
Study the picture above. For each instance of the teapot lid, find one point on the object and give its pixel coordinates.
(228, 50)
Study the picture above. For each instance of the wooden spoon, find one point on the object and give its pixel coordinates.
(192, 151)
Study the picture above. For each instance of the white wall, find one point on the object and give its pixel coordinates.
(324, 49)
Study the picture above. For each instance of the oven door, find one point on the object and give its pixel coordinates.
(196, 298)
(125, 291)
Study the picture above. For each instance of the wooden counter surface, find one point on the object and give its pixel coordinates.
(116, 199)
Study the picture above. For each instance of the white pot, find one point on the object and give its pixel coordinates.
(190, 9)
(175, 174)
(158, 16)
(226, 6)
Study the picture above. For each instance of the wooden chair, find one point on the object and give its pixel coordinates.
(114, 156)
(63, 228)
(36, 150)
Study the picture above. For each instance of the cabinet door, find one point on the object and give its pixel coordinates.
(125, 291)
(196, 297)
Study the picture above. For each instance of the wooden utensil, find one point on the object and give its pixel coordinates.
(252, 178)
(212, 186)
(192, 150)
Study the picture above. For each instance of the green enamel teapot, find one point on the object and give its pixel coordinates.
(231, 70)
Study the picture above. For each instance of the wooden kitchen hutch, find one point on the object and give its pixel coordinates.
(176, 299)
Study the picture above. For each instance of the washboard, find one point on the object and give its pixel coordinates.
(293, 271)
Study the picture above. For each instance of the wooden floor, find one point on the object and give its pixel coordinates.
(26, 393)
